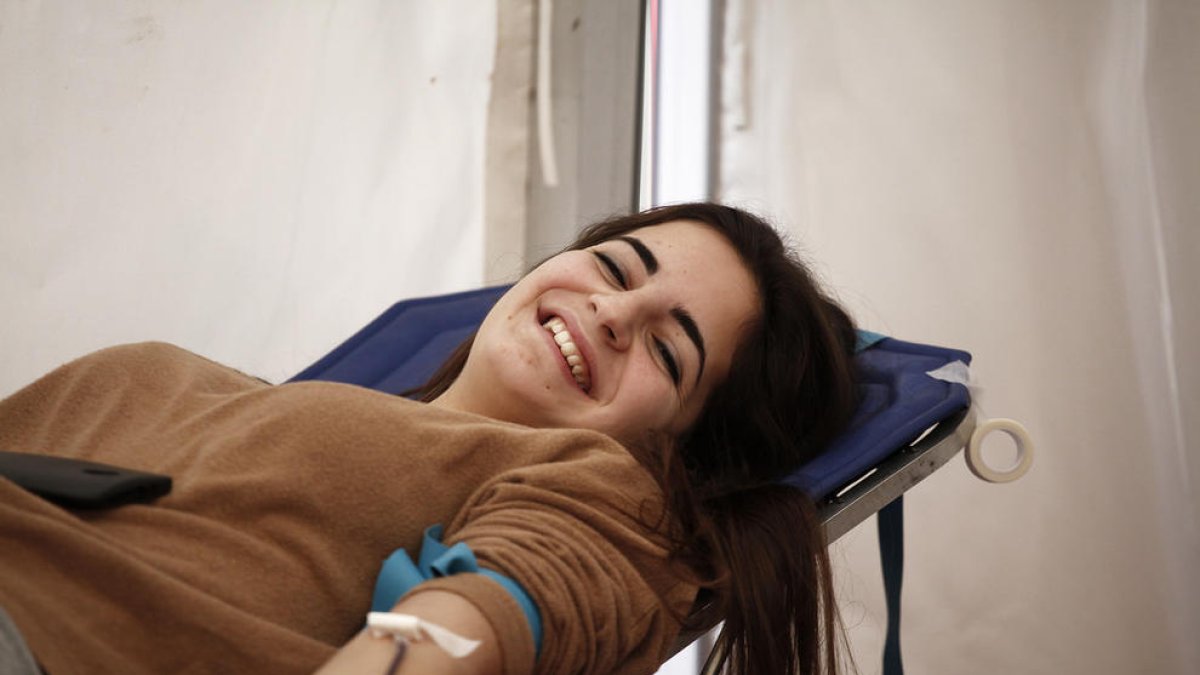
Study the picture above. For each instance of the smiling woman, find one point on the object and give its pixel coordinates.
(604, 450)
(738, 368)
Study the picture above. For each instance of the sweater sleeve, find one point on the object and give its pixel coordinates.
(582, 535)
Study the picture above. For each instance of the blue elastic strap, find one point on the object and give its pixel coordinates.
(399, 575)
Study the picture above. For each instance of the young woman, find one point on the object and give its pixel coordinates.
(608, 441)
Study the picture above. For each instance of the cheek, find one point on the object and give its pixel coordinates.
(649, 401)
(501, 358)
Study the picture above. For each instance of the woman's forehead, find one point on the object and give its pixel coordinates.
(692, 246)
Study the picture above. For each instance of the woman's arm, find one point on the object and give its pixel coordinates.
(369, 655)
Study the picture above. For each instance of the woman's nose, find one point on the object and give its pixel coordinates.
(616, 315)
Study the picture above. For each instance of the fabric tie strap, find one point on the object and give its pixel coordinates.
(867, 339)
(400, 575)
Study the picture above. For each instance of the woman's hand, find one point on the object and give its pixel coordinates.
(372, 655)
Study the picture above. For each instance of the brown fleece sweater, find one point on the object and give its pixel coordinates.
(286, 501)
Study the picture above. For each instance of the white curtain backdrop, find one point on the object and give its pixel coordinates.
(252, 181)
(1018, 179)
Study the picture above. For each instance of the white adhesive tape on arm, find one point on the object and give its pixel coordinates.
(411, 628)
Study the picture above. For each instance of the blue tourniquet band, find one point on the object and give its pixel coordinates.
(399, 575)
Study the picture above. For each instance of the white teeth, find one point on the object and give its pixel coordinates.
(562, 337)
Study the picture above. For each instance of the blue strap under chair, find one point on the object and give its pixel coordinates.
(891, 555)
(899, 402)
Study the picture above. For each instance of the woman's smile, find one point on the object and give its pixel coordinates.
(568, 347)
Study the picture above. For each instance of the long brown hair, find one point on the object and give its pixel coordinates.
(757, 546)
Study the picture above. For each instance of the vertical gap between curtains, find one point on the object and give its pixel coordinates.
(506, 168)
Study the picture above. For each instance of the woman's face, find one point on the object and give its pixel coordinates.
(625, 337)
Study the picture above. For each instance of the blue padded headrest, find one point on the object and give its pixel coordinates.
(404, 346)
(898, 402)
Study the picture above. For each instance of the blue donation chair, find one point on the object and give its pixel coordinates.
(908, 424)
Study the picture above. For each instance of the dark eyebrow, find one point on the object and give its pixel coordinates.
(678, 313)
(693, 332)
(644, 253)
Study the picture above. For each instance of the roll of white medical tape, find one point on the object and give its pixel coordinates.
(1020, 436)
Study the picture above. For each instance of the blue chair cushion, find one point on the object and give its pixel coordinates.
(402, 348)
(898, 402)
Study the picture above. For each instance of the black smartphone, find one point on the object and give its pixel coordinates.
(79, 484)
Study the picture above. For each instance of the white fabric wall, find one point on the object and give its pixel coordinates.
(252, 181)
(1017, 179)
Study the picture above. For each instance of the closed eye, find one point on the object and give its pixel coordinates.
(668, 360)
(613, 269)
